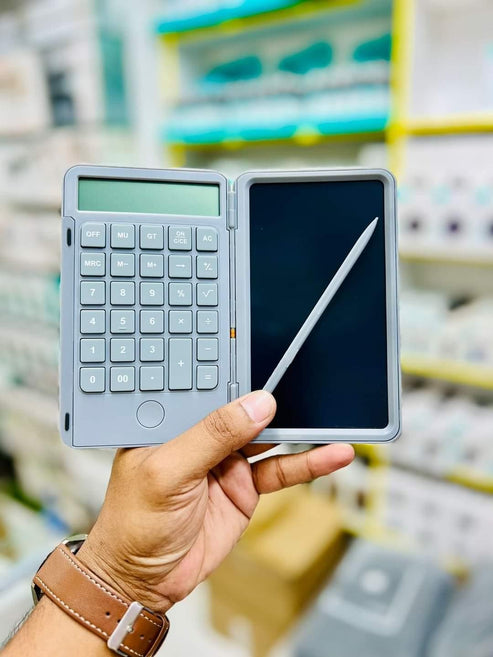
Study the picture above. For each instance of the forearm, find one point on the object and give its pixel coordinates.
(51, 632)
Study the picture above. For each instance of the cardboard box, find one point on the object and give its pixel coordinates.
(285, 556)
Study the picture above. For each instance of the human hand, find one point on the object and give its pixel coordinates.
(173, 512)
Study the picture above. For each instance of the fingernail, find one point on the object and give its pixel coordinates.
(259, 405)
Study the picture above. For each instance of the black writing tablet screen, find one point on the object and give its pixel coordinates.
(300, 233)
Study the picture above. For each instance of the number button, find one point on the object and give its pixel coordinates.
(92, 234)
(151, 294)
(151, 237)
(207, 321)
(180, 238)
(207, 349)
(122, 264)
(123, 294)
(122, 321)
(151, 266)
(92, 351)
(180, 294)
(122, 379)
(122, 236)
(92, 379)
(122, 350)
(152, 349)
(207, 377)
(206, 266)
(151, 321)
(151, 378)
(206, 294)
(206, 239)
(92, 321)
(180, 321)
(92, 264)
(180, 266)
(92, 294)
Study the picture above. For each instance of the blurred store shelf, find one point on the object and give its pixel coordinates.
(467, 374)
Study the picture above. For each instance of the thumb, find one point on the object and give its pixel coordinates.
(225, 430)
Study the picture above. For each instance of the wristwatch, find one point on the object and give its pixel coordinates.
(129, 628)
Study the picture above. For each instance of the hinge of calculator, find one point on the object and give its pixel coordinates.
(231, 207)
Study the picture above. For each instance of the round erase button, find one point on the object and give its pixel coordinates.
(150, 414)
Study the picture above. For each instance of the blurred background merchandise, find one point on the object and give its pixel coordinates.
(394, 554)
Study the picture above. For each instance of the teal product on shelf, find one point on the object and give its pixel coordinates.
(244, 68)
(467, 628)
(194, 16)
(374, 50)
(380, 603)
(317, 55)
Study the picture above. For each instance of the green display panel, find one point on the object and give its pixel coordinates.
(148, 197)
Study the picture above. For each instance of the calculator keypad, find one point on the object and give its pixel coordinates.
(149, 316)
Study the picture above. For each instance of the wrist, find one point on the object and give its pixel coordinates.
(121, 575)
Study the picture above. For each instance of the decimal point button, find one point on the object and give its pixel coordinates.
(150, 414)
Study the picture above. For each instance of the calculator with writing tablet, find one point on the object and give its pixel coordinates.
(182, 290)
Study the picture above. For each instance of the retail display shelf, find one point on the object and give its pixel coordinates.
(474, 257)
(461, 373)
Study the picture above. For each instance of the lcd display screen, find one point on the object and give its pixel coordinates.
(148, 197)
(300, 233)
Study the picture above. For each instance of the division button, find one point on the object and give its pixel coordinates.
(207, 321)
(150, 414)
(93, 234)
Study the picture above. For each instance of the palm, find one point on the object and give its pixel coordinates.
(207, 518)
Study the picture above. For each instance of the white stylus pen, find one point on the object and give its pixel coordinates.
(320, 306)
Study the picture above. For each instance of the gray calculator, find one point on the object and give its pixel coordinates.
(159, 303)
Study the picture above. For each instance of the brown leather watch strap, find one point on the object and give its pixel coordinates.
(92, 603)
